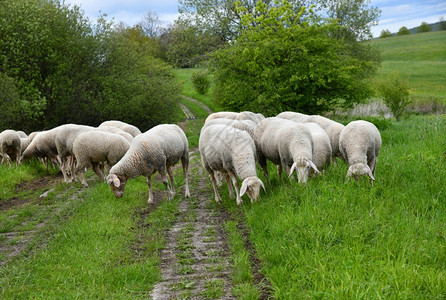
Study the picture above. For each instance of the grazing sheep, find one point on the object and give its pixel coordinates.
(22, 134)
(93, 147)
(287, 144)
(10, 146)
(158, 149)
(231, 151)
(116, 130)
(293, 116)
(133, 130)
(247, 115)
(43, 145)
(222, 114)
(246, 125)
(359, 144)
(65, 138)
(332, 128)
(321, 143)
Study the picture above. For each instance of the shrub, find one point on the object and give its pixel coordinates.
(201, 82)
(403, 31)
(395, 94)
(385, 33)
(424, 27)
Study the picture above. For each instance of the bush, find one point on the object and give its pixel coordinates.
(201, 82)
(385, 33)
(395, 93)
(424, 27)
(403, 31)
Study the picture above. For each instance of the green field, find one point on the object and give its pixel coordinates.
(419, 58)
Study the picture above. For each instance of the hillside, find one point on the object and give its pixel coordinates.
(421, 59)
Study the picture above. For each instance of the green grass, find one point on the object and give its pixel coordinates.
(419, 58)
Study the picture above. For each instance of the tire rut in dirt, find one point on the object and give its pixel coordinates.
(195, 263)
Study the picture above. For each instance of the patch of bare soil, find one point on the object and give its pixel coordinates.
(195, 263)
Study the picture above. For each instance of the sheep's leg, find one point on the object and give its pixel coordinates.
(230, 189)
(64, 169)
(279, 171)
(72, 166)
(149, 183)
(185, 164)
(237, 191)
(214, 186)
(172, 187)
(264, 165)
(166, 183)
(81, 171)
(98, 171)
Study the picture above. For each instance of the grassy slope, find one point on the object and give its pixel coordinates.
(421, 58)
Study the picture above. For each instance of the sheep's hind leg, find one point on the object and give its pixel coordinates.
(98, 171)
(172, 187)
(149, 183)
(185, 163)
(214, 186)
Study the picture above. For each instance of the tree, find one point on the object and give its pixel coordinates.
(395, 94)
(403, 31)
(288, 62)
(222, 18)
(151, 25)
(385, 33)
(424, 27)
(442, 24)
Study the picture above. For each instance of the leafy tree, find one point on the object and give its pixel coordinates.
(403, 31)
(385, 33)
(395, 94)
(442, 24)
(289, 62)
(424, 27)
(222, 18)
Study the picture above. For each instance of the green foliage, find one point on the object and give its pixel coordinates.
(201, 81)
(395, 94)
(403, 31)
(385, 33)
(424, 27)
(69, 71)
(442, 24)
(290, 62)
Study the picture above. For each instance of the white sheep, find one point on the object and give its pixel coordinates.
(116, 130)
(287, 144)
(247, 115)
(222, 114)
(133, 130)
(65, 138)
(322, 147)
(333, 130)
(359, 144)
(293, 116)
(158, 149)
(232, 151)
(43, 145)
(94, 147)
(10, 146)
(22, 134)
(246, 125)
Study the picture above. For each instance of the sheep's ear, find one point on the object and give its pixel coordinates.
(369, 172)
(293, 167)
(349, 172)
(314, 167)
(113, 179)
(244, 187)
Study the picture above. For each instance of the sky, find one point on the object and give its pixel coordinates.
(394, 13)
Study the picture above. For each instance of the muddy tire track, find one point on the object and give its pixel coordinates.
(195, 263)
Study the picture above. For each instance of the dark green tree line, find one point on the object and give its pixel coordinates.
(59, 68)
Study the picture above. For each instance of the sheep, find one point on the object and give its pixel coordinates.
(246, 125)
(293, 116)
(133, 130)
(90, 148)
(231, 151)
(43, 145)
(116, 130)
(359, 144)
(287, 144)
(222, 114)
(22, 134)
(322, 147)
(158, 149)
(333, 130)
(65, 138)
(10, 146)
(247, 115)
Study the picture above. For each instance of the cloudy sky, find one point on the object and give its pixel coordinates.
(395, 13)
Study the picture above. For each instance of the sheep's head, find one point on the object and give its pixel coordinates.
(251, 186)
(358, 170)
(302, 167)
(117, 184)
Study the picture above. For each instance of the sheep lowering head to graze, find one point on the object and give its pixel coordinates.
(132, 129)
(231, 151)
(359, 144)
(158, 149)
(10, 146)
(287, 144)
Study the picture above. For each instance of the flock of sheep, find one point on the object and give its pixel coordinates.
(231, 144)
